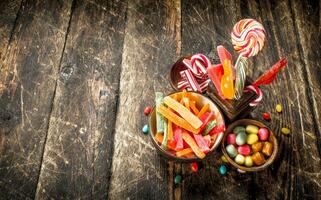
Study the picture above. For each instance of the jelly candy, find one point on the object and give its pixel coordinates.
(209, 127)
(184, 152)
(278, 108)
(251, 129)
(145, 129)
(222, 169)
(194, 167)
(147, 110)
(178, 179)
(159, 118)
(285, 131)
(248, 161)
(231, 138)
(263, 134)
(241, 138)
(257, 147)
(266, 116)
(239, 159)
(231, 150)
(224, 159)
(239, 129)
(267, 149)
(258, 158)
(191, 142)
(227, 85)
(244, 150)
(252, 139)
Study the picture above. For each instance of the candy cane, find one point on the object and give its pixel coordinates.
(189, 77)
(257, 91)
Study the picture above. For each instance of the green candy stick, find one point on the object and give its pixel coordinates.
(164, 143)
(159, 118)
(209, 127)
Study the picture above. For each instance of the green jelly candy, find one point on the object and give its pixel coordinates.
(222, 169)
(178, 179)
(251, 129)
(248, 161)
(252, 139)
(239, 129)
(241, 138)
(159, 118)
(239, 159)
(231, 150)
(209, 127)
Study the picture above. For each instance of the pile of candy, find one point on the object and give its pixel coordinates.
(249, 145)
(185, 127)
(248, 38)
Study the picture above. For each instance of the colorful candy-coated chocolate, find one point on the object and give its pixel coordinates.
(241, 138)
(278, 108)
(285, 131)
(257, 147)
(239, 129)
(267, 149)
(231, 150)
(248, 161)
(222, 169)
(258, 158)
(145, 129)
(252, 139)
(224, 159)
(244, 150)
(147, 110)
(231, 138)
(251, 129)
(263, 134)
(239, 159)
(194, 167)
(178, 179)
(266, 116)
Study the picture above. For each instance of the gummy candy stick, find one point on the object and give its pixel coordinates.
(184, 112)
(240, 66)
(203, 110)
(186, 103)
(202, 144)
(164, 143)
(159, 119)
(193, 107)
(167, 113)
(216, 79)
(170, 130)
(184, 152)
(191, 142)
(205, 118)
(227, 85)
(217, 129)
(209, 127)
(178, 138)
(159, 137)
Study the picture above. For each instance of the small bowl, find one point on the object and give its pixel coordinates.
(175, 76)
(203, 99)
(272, 139)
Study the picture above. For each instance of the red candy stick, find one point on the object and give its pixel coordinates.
(189, 77)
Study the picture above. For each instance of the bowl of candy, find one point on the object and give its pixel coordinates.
(249, 145)
(185, 126)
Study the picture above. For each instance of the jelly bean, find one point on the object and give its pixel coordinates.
(278, 108)
(257, 147)
(178, 179)
(285, 131)
(147, 110)
(231, 150)
(145, 129)
(252, 139)
(266, 116)
(231, 138)
(267, 149)
(241, 138)
(258, 158)
(224, 159)
(244, 150)
(251, 129)
(222, 169)
(194, 167)
(239, 159)
(239, 129)
(263, 134)
(248, 161)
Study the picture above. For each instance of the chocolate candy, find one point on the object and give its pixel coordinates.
(145, 129)
(239, 129)
(241, 138)
(231, 138)
(248, 161)
(263, 134)
(252, 139)
(267, 149)
(222, 169)
(257, 147)
(231, 150)
(251, 129)
(244, 150)
(239, 159)
(258, 158)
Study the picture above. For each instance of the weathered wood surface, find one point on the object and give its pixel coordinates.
(75, 76)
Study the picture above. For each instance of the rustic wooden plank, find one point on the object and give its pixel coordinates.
(150, 45)
(28, 75)
(78, 151)
(8, 14)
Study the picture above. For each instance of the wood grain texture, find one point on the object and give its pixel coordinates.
(149, 48)
(28, 78)
(79, 147)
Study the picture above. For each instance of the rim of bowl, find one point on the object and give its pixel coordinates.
(254, 168)
(171, 156)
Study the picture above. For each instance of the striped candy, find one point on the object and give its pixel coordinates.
(248, 37)
(259, 93)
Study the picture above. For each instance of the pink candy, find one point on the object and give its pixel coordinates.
(231, 138)
(258, 92)
(263, 134)
(244, 150)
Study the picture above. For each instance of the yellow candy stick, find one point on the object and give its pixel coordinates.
(184, 112)
(170, 130)
(186, 103)
(193, 107)
(191, 142)
(227, 85)
(203, 110)
(184, 152)
(171, 116)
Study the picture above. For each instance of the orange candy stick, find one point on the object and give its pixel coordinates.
(184, 112)
(193, 107)
(203, 110)
(191, 142)
(227, 85)
(171, 116)
(170, 130)
(190, 155)
(159, 137)
(184, 152)
(186, 103)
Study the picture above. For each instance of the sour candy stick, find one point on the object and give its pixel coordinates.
(191, 142)
(159, 118)
(183, 152)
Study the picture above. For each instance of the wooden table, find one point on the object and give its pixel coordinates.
(76, 75)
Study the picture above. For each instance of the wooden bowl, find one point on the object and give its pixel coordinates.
(202, 100)
(175, 69)
(272, 139)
